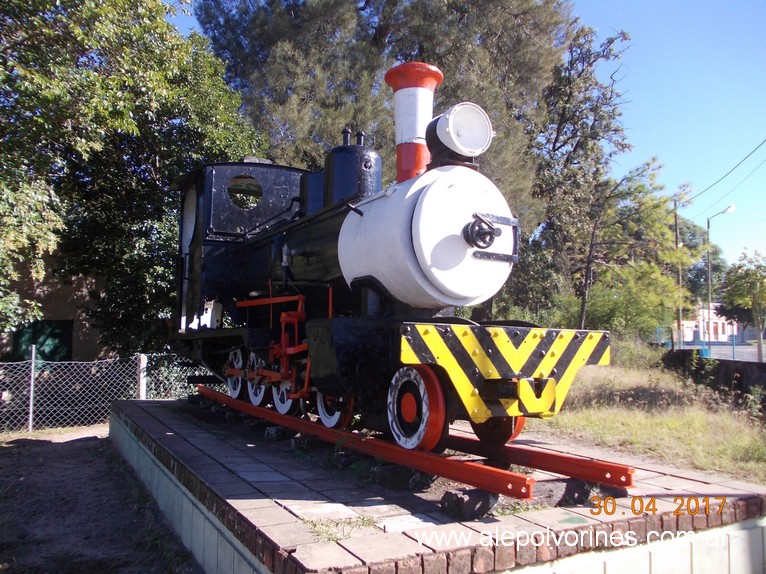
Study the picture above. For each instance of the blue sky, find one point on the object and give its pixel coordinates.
(694, 81)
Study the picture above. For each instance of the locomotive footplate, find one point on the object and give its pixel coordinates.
(505, 371)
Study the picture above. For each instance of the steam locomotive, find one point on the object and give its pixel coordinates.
(326, 291)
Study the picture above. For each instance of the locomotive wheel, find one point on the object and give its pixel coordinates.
(498, 430)
(334, 412)
(416, 408)
(282, 401)
(236, 384)
(256, 389)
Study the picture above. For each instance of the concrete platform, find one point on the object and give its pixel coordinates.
(244, 504)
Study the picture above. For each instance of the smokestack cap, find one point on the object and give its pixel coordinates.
(414, 75)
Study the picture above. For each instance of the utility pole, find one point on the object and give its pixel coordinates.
(710, 279)
(679, 325)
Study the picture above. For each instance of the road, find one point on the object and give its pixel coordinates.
(739, 353)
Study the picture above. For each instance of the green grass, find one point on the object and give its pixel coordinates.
(653, 413)
(335, 530)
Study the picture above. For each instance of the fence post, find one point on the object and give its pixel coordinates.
(142, 362)
(32, 388)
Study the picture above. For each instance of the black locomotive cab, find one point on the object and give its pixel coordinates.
(224, 205)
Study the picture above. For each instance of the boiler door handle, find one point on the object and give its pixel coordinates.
(480, 232)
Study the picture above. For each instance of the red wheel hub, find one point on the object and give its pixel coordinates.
(409, 407)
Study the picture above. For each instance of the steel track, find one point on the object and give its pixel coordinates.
(468, 472)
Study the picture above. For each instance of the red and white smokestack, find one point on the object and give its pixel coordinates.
(414, 84)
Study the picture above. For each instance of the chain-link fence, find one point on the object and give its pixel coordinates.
(42, 394)
(168, 376)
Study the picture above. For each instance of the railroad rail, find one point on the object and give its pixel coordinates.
(471, 473)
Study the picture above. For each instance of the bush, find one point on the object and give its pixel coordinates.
(631, 352)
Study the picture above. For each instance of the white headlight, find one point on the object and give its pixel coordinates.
(465, 129)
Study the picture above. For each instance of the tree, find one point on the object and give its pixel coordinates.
(500, 54)
(628, 252)
(693, 237)
(28, 221)
(597, 229)
(630, 228)
(28, 206)
(577, 139)
(632, 300)
(739, 314)
(103, 104)
(307, 69)
(744, 284)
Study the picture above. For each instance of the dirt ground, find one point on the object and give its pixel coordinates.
(70, 504)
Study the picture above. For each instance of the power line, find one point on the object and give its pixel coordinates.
(728, 172)
(732, 189)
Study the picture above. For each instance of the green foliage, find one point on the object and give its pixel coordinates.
(308, 69)
(608, 243)
(500, 54)
(29, 217)
(740, 314)
(102, 105)
(693, 238)
(72, 71)
(634, 353)
(534, 283)
(621, 268)
(754, 402)
(576, 137)
(632, 300)
(703, 370)
(580, 131)
(744, 285)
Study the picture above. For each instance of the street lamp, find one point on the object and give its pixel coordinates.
(710, 278)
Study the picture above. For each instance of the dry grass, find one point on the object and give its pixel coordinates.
(654, 413)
